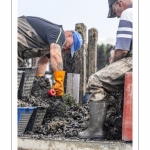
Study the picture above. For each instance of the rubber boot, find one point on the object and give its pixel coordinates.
(59, 82)
(97, 114)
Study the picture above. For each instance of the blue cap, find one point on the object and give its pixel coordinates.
(110, 14)
(77, 42)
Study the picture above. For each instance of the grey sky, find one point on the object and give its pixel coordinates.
(93, 13)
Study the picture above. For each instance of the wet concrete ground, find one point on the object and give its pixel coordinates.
(64, 119)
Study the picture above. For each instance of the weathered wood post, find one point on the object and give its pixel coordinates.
(92, 51)
(80, 60)
(67, 66)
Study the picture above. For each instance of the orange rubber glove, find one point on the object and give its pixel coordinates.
(59, 77)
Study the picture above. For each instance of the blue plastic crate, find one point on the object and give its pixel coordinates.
(24, 114)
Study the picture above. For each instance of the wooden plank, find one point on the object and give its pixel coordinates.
(73, 82)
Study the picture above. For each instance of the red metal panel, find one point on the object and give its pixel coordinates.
(127, 108)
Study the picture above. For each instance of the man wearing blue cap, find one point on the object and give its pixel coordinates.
(110, 78)
(38, 37)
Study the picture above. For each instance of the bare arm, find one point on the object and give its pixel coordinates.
(117, 54)
(56, 57)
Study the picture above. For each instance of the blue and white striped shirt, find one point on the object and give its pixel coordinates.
(124, 32)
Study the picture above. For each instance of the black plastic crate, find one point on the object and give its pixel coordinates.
(20, 74)
(25, 80)
(36, 118)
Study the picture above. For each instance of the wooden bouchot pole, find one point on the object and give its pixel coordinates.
(92, 51)
(80, 60)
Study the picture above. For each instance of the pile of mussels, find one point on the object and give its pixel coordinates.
(64, 118)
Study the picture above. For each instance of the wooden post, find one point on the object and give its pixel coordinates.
(92, 51)
(67, 66)
(80, 60)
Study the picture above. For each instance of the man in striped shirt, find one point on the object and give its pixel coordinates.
(124, 33)
(38, 37)
(110, 78)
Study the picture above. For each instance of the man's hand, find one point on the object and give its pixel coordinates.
(112, 52)
(117, 54)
